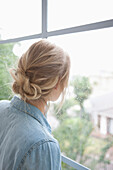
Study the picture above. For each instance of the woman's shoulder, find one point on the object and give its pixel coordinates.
(36, 143)
(4, 103)
(44, 153)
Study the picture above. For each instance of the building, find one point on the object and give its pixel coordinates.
(102, 112)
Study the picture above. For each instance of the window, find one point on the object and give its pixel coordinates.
(84, 30)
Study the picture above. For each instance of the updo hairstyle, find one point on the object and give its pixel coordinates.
(39, 69)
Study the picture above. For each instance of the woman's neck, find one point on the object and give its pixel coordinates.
(40, 104)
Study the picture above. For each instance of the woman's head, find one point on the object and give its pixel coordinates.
(41, 69)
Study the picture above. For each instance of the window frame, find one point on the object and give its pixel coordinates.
(46, 34)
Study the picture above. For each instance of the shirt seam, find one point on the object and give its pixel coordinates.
(15, 106)
(22, 110)
(36, 145)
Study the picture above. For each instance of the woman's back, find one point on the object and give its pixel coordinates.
(25, 138)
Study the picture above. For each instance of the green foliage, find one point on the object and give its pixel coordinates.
(66, 167)
(7, 59)
(82, 89)
(72, 135)
(105, 149)
(62, 113)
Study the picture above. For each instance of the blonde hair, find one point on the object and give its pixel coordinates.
(39, 69)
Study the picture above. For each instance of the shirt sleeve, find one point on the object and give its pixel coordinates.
(44, 156)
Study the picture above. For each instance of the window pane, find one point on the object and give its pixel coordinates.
(22, 46)
(70, 13)
(7, 58)
(91, 52)
(84, 124)
(19, 18)
(9, 54)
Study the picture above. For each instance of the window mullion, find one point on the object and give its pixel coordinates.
(44, 18)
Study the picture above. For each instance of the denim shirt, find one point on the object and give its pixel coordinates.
(26, 142)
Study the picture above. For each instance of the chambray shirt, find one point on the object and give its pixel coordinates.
(26, 142)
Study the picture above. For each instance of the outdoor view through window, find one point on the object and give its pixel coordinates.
(84, 125)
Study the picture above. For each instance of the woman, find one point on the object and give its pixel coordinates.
(26, 142)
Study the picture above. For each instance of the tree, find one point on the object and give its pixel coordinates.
(82, 90)
(7, 59)
(73, 133)
(62, 114)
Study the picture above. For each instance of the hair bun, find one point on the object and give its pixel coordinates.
(15, 87)
(24, 87)
(31, 91)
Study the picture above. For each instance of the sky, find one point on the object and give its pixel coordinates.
(90, 52)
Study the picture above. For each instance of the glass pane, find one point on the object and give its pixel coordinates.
(22, 46)
(70, 13)
(7, 58)
(84, 124)
(9, 54)
(19, 18)
(91, 52)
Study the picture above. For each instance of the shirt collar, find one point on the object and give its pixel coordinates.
(31, 110)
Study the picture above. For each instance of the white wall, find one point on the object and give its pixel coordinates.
(111, 126)
(103, 125)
